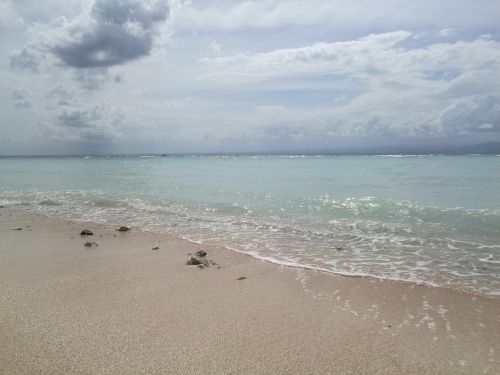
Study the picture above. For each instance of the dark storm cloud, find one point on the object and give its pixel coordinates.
(24, 60)
(60, 93)
(21, 98)
(94, 123)
(78, 118)
(481, 115)
(92, 79)
(119, 31)
(62, 97)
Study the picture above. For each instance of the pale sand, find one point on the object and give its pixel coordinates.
(122, 308)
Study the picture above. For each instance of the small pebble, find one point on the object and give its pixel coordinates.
(193, 262)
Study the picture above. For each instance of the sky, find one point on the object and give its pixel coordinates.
(168, 76)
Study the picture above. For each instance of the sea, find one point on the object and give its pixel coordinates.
(426, 219)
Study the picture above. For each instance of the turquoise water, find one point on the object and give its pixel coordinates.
(425, 219)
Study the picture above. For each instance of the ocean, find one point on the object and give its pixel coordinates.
(432, 219)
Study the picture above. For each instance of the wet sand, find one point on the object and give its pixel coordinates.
(123, 308)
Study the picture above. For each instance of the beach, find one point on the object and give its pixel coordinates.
(122, 307)
(249, 187)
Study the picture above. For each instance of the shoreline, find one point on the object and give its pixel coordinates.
(122, 307)
(272, 260)
(339, 274)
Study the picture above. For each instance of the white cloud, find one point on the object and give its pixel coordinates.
(361, 56)
(447, 32)
(341, 14)
(371, 56)
(315, 71)
(409, 91)
(215, 47)
(8, 15)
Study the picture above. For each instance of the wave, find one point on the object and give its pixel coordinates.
(364, 236)
(49, 202)
(403, 155)
(366, 214)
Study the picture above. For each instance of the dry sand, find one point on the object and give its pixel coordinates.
(123, 308)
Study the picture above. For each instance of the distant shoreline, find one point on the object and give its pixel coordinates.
(249, 154)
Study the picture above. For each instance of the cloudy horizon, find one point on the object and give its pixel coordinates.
(160, 76)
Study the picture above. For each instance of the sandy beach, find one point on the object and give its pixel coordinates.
(123, 308)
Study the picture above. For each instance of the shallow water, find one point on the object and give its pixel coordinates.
(427, 219)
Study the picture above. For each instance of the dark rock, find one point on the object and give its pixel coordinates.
(156, 248)
(201, 253)
(197, 262)
(123, 229)
(90, 244)
(201, 266)
(339, 248)
(86, 232)
(193, 261)
(17, 228)
(389, 326)
(241, 278)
